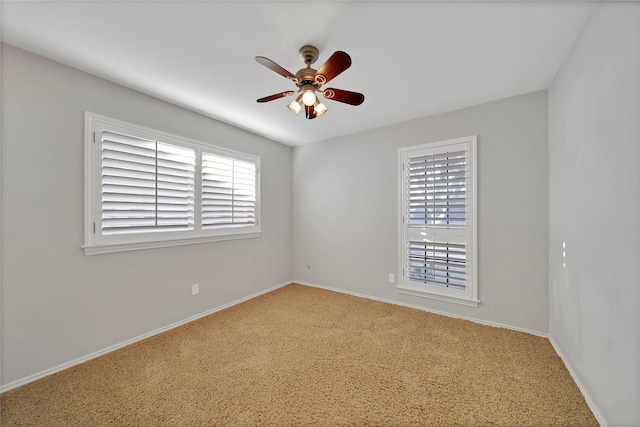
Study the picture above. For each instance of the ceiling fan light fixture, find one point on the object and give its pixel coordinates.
(319, 108)
(308, 95)
(308, 81)
(296, 105)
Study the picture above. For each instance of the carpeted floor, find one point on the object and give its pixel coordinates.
(310, 357)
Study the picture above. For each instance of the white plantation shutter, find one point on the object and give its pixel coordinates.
(438, 219)
(228, 192)
(142, 190)
(128, 183)
(175, 187)
(438, 263)
(146, 185)
(437, 189)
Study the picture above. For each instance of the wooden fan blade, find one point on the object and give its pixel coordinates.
(352, 98)
(337, 63)
(309, 112)
(276, 96)
(275, 67)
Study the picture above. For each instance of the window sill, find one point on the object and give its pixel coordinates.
(124, 247)
(439, 297)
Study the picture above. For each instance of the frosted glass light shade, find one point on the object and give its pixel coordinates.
(319, 108)
(296, 105)
(308, 97)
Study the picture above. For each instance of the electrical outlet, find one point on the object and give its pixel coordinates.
(392, 278)
(195, 289)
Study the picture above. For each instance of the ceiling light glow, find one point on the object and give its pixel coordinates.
(319, 108)
(308, 97)
(296, 105)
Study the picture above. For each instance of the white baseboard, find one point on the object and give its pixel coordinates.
(443, 313)
(104, 351)
(576, 379)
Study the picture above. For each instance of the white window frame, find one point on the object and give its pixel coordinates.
(95, 243)
(468, 233)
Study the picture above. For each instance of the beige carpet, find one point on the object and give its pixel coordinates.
(311, 357)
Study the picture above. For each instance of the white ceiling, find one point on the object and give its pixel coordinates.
(410, 59)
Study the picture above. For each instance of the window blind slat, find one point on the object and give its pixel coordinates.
(150, 229)
(120, 166)
(135, 142)
(125, 190)
(130, 158)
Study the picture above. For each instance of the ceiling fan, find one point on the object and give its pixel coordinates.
(309, 81)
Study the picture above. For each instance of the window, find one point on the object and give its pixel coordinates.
(438, 220)
(145, 188)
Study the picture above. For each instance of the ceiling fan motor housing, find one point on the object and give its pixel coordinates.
(306, 76)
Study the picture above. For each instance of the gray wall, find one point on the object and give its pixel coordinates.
(345, 209)
(594, 208)
(58, 304)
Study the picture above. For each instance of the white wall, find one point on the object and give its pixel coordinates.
(58, 304)
(594, 207)
(345, 209)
